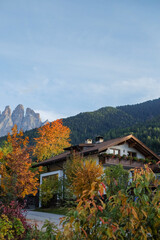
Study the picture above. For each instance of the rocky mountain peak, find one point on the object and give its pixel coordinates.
(31, 120)
(29, 111)
(45, 122)
(7, 111)
(19, 108)
(24, 121)
(18, 115)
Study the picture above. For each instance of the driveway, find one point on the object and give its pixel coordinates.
(39, 218)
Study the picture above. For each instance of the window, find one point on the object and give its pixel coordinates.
(132, 154)
(114, 151)
(51, 177)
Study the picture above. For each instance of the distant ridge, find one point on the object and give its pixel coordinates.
(90, 124)
(24, 120)
(143, 111)
(142, 120)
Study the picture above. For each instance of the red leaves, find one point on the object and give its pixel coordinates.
(115, 181)
(104, 186)
(114, 228)
(100, 208)
(84, 232)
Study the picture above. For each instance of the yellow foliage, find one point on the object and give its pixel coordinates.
(83, 175)
(53, 137)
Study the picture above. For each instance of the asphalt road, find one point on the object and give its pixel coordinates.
(39, 218)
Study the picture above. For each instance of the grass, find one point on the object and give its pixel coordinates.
(60, 210)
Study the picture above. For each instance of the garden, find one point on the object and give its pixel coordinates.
(102, 204)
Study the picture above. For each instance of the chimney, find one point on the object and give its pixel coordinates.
(99, 139)
(88, 141)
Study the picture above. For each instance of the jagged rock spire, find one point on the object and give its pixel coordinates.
(24, 121)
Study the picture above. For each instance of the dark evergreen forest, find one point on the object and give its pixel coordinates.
(142, 120)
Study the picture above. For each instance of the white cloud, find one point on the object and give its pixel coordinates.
(148, 87)
(96, 88)
(136, 90)
(49, 115)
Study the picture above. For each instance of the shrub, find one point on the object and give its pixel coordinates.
(131, 213)
(136, 210)
(85, 221)
(11, 229)
(48, 232)
(5, 228)
(15, 214)
(115, 179)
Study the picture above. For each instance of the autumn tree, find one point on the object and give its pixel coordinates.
(82, 173)
(16, 177)
(53, 137)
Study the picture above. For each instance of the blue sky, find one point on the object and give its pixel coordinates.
(64, 57)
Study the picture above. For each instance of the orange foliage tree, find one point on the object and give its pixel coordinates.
(16, 177)
(82, 174)
(53, 137)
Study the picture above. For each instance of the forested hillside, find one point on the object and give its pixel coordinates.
(90, 124)
(148, 133)
(143, 111)
(141, 120)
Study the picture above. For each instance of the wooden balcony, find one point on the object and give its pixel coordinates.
(127, 162)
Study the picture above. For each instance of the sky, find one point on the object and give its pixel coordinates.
(63, 57)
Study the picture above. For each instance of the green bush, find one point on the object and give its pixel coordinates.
(115, 179)
(51, 187)
(132, 212)
(5, 228)
(48, 232)
(10, 230)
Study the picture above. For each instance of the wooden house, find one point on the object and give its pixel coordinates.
(127, 150)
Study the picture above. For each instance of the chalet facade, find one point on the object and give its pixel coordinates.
(128, 151)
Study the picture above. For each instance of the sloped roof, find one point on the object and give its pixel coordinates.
(55, 159)
(96, 148)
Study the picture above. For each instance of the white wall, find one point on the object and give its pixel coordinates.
(124, 149)
(94, 158)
